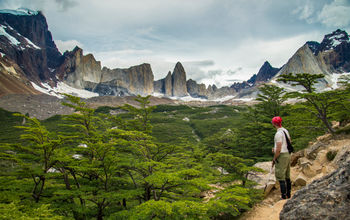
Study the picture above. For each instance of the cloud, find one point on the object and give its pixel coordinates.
(336, 14)
(66, 4)
(67, 45)
(305, 12)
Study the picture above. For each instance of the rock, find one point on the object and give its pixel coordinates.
(303, 61)
(186, 119)
(308, 171)
(30, 57)
(301, 180)
(295, 157)
(321, 157)
(78, 69)
(333, 51)
(266, 72)
(263, 180)
(196, 90)
(302, 162)
(325, 198)
(311, 152)
(168, 85)
(178, 77)
(342, 155)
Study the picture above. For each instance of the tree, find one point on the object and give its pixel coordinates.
(316, 103)
(271, 100)
(38, 155)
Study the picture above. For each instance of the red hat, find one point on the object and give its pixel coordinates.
(277, 121)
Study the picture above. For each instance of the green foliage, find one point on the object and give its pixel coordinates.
(16, 211)
(271, 98)
(331, 155)
(318, 104)
(147, 162)
(9, 133)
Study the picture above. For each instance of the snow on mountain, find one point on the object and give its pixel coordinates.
(338, 39)
(63, 88)
(12, 39)
(31, 44)
(20, 12)
(334, 80)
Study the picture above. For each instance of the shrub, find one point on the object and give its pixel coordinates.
(331, 155)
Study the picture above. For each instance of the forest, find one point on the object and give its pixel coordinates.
(155, 162)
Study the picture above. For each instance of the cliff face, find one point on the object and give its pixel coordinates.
(303, 61)
(26, 40)
(85, 72)
(77, 70)
(178, 78)
(334, 51)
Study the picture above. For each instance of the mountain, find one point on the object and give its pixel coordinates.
(26, 40)
(265, 74)
(331, 56)
(30, 63)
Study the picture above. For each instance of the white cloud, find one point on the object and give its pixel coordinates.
(336, 14)
(305, 12)
(67, 45)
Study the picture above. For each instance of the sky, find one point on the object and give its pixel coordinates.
(217, 41)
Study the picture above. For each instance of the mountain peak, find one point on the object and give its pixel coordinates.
(331, 41)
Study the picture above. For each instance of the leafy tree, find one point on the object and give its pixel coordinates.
(38, 155)
(316, 103)
(271, 100)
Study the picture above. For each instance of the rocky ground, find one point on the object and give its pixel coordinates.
(44, 106)
(317, 182)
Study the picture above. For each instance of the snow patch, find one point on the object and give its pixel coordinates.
(12, 40)
(19, 11)
(31, 44)
(244, 99)
(63, 88)
(188, 99)
(334, 79)
(226, 98)
(157, 94)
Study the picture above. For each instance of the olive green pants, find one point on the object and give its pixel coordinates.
(282, 167)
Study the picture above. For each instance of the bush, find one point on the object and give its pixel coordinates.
(331, 155)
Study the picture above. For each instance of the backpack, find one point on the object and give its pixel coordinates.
(289, 145)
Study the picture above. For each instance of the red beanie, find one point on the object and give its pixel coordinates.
(277, 121)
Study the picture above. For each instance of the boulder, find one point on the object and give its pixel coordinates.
(301, 180)
(308, 171)
(264, 180)
(311, 152)
(295, 157)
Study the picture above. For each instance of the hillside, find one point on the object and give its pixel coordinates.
(312, 166)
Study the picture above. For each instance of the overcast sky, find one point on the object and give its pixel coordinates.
(217, 41)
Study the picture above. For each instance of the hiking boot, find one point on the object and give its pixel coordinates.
(283, 189)
(289, 188)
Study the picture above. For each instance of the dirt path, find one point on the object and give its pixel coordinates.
(268, 209)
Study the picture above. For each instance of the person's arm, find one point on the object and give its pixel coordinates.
(277, 152)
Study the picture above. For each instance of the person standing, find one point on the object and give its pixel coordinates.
(281, 158)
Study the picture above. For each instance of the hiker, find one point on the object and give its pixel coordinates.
(281, 158)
